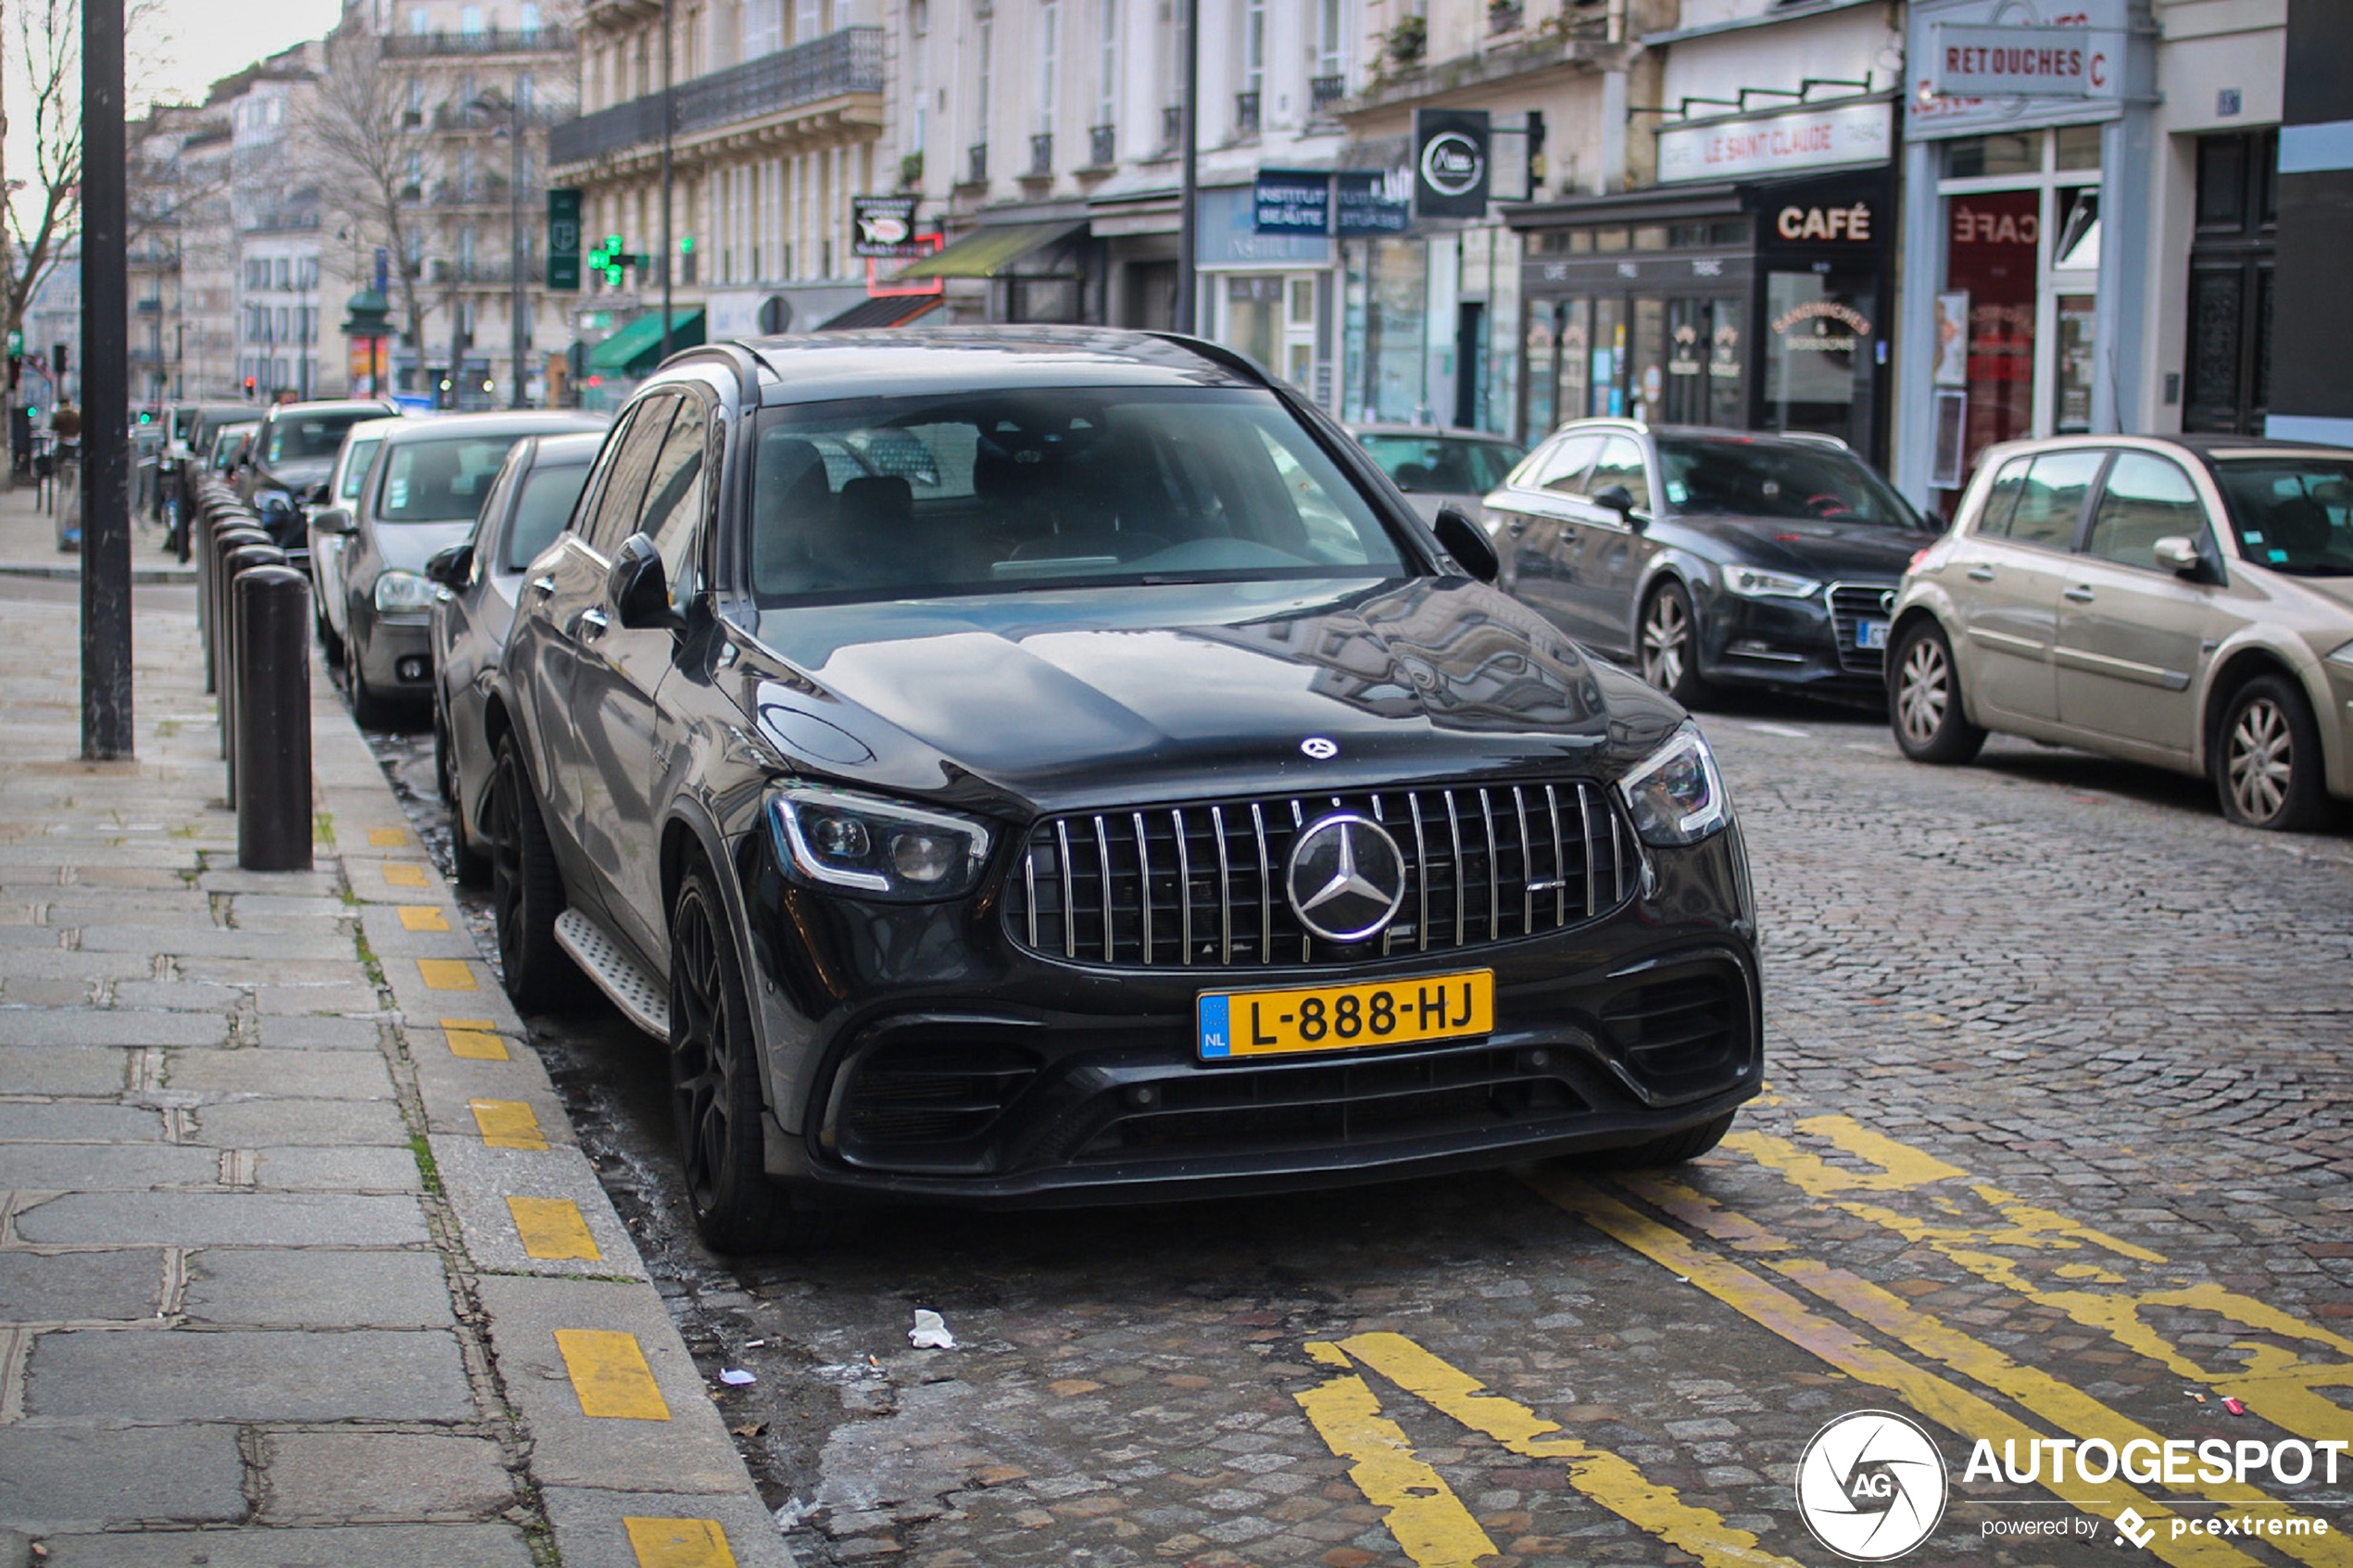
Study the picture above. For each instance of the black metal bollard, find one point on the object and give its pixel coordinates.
(235, 564)
(229, 533)
(271, 779)
(214, 506)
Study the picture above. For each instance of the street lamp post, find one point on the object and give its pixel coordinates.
(518, 258)
(668, 120)
(1189, 184)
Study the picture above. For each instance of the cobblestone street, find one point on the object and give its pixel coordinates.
(2054, 1146)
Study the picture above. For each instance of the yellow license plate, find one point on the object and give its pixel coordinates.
(1339, 1018)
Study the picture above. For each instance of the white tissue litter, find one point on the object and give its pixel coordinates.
(736, 1377)
(930, 1332)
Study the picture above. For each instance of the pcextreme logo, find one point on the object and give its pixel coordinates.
(1871, 1486)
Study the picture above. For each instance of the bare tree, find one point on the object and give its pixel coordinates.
(44, 223)
(354, 125)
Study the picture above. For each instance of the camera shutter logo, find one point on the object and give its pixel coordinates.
(1871, 1486)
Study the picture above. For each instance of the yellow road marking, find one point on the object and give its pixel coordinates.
(423, 917)
(474, 1045)
(2061, 1403)
(447, 974)
(387, 838)
(485, 1025)
(508, 1124)
(609, 1374)
(1603, 1476)
(551, 1227)
(401, 873)
(1428, 1521)
(678, 1543)
(2272, 1380)
(1774, 1309)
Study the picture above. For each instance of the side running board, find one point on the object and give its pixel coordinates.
(641, 998)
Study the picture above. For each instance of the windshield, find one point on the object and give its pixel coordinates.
(992, 492)
(2292, 514)
(546, 506)
(355, 467)
(1719, 475)
(441, 481)
(1442, 465)
(293, 438)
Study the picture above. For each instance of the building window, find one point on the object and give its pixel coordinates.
(1107, 67)
(2226, 379)
(419, 22)
(527, 16)
(1050, 63)
(1255, 49)
(470, 18)
(808, 20)
(1331, 61)
(764, 28)
(988, 41)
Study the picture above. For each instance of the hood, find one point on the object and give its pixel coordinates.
(295, 473)
(406, 546)
(1822, 548)
(1103, 696)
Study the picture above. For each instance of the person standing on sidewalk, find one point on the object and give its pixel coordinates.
(65, 425)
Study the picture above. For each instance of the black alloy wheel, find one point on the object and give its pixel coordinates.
(714, 1080)
(526, 890)
(369, 708)
(2267, 757)
(1924, 699)
(1668, 642)
(467, 858)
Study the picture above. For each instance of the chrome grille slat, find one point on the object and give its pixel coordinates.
(1078, 865)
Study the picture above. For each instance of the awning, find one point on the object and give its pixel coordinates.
(636, 348)
(884, 310)
(988, 252)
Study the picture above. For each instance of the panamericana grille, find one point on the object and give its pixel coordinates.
(1203, 884)
(1853, 602)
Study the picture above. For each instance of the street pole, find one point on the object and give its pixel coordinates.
(1189, 187)
(518, 323)
(107, 731)
(668, 117)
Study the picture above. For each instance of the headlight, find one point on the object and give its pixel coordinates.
(398, 591)
(879, 847)
(1750, 583)
(1675, 795)
(272, 501)
(2343, 657)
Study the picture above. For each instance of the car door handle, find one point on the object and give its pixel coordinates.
(1981, 574)
(2081, 593)
(542, 586)
(1516, 527)
(592, 624)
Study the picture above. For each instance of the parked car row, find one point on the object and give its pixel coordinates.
(1046, 765)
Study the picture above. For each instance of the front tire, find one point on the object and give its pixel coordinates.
(1924, 699)
(1675, 1148)
(1669, 646)
(468, 859)
(370, 709)
(2267, 758)
(714, 1080)
(527, 892)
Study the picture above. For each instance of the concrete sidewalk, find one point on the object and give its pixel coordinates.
(296, 1250)
(29, 544)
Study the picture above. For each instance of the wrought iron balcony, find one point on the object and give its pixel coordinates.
(1042, 156)
(1325, 91)
(849, 60)
(1171, 127)
(978, 174)
(1102, 146)
(1246, 114)
(545, 39)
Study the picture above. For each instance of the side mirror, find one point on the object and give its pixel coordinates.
(316, 493)
(638, 587)
(2178, 555)
(451, 566)
(1619, 499)
(1469, 544)
(331, 520)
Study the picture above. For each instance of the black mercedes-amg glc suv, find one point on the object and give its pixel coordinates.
(1056, 764)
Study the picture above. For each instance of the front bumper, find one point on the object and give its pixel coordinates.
(381, 644)
(916, 1052)
(1802, 643)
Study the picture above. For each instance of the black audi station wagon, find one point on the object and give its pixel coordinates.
(1056, 764)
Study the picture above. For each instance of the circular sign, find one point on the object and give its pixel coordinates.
(1346, 877)
(1871, 1486)
(1322, 750)
(1452, 164)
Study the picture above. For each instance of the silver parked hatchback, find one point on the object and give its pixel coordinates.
(2184, 600)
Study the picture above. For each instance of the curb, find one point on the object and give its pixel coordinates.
(140, 576)
(648, 1475)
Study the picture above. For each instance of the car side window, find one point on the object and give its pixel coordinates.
(2001, 501)
(2050, 503)
(1563, 467)
(674, 498)
(2144, 498)
(1621, 463)
(624, 482)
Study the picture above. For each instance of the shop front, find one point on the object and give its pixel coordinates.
(1747, 304)
(2026, 300)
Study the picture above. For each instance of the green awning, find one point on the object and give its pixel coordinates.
(636, 348)
(986, 252)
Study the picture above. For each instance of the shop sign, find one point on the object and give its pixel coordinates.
(1226, 235)
(1291, 201)
(1778, 144)
(1450, 163)
(563, 241)
(1375, 202)
(2037, 62)
(885, 227)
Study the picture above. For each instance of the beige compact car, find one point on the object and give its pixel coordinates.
(2186, 601)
